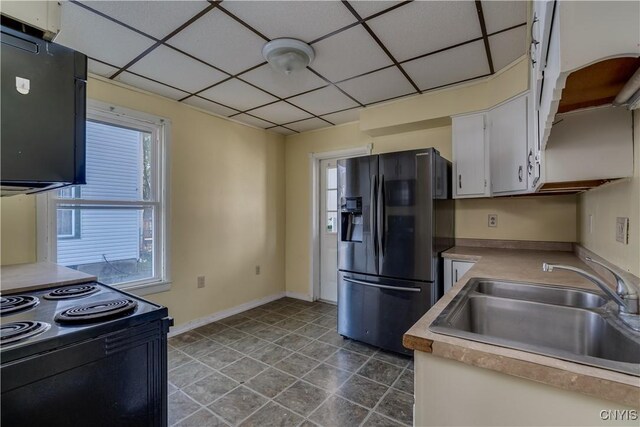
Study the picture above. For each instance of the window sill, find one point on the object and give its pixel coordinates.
(142, 289)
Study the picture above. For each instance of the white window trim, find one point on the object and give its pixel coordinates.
(314, 202)
(45, 204)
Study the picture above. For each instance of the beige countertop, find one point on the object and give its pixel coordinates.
(28, 277)
(526, 266)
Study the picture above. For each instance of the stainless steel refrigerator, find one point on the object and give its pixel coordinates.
(396, 217)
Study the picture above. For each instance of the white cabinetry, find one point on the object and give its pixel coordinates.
(470, 156)
(508, 136)
(453, 271)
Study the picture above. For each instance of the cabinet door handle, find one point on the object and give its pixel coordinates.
(460, 181)
(455, 270)
(520, 173)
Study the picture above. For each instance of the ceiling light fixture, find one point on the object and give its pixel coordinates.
(288, 55)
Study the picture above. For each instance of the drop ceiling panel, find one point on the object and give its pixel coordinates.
(237, 94)
(99, 68)
(367, 8)
(384, 84)
(156, 18)
(221, 41)
(426, 26)
(169, 66)
(207, 105)
(449, 67)
(304, 20)
(282, 130)
(281, 84)
(253, 121)
(499, 15)
(344, 116)
(323, 101)
(309, 124)
(347, 54)
(151, 86)
(98, 37)
(508, 46)
(280, 112)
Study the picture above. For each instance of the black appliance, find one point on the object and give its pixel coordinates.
(82, 355)
(396, 218)
(43, 114)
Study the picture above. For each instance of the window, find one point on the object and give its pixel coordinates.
(114, 227)
(332, 198)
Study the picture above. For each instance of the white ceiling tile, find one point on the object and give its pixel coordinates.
(221, 41)
(308, 124)
(282, 131)
(348, 54)
(304, 20)
(98, 37)
(449, 67)
(237, 94)
(101, 69)
(323, 101)
(367, 8)
(280, 112)
(207, 105)
(253, 121)
(156, 18)
(344, 116)
(281, 84)
(508, 46)
(426, 26)
(151, 86)
(169, 66)
(378, 86)
(499, 15)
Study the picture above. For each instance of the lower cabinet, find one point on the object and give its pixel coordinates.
(453, 271)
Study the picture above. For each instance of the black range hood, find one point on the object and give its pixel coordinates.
(43, 114)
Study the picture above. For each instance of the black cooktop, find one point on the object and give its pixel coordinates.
(46, 319)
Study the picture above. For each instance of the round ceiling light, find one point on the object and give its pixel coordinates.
(288, 55)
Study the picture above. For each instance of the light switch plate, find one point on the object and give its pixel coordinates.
(622, 230)
(493, 220)
(201, 281)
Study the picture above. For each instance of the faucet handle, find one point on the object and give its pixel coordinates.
(622, 288)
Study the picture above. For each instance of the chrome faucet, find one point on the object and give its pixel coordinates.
(625, 295)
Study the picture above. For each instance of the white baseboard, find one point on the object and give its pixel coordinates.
(298, 295)
(177, 330)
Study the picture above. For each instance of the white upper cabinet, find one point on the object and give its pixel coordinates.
(508, 141)
(470, 155)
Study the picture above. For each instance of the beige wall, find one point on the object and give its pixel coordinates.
(534, 218)
(227, 208)
(604, 204)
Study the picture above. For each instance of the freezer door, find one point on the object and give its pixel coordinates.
(357, 185)
(405, 215)
(379, 311)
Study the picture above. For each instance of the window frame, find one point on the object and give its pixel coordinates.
(47, 203)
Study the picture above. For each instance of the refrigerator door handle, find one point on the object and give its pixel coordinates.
(375, 285)
(372, 217)
(381, 220)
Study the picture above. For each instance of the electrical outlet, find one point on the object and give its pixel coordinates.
(622, 230)
(201, 281)
(257, 270)
(493, 220)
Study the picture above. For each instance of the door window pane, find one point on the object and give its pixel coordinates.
(332, 177)
(332, 222)
(332, 200)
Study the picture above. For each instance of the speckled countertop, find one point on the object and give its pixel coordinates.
(526, 266)
(28, 277)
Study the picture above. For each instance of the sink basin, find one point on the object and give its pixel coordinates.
(565, 323)
(541, 293)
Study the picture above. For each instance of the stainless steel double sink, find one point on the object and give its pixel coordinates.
(566, 323)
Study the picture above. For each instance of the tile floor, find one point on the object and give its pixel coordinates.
(284, 364)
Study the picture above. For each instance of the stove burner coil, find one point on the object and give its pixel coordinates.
(16, 331)
(14, 303)
(70, 292)
(97, 311)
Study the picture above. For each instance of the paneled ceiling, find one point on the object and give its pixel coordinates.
(208, 54)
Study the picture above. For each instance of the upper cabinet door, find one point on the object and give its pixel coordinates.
(509, 144)
(469, 156)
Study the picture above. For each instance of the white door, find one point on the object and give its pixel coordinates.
(328, 230)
